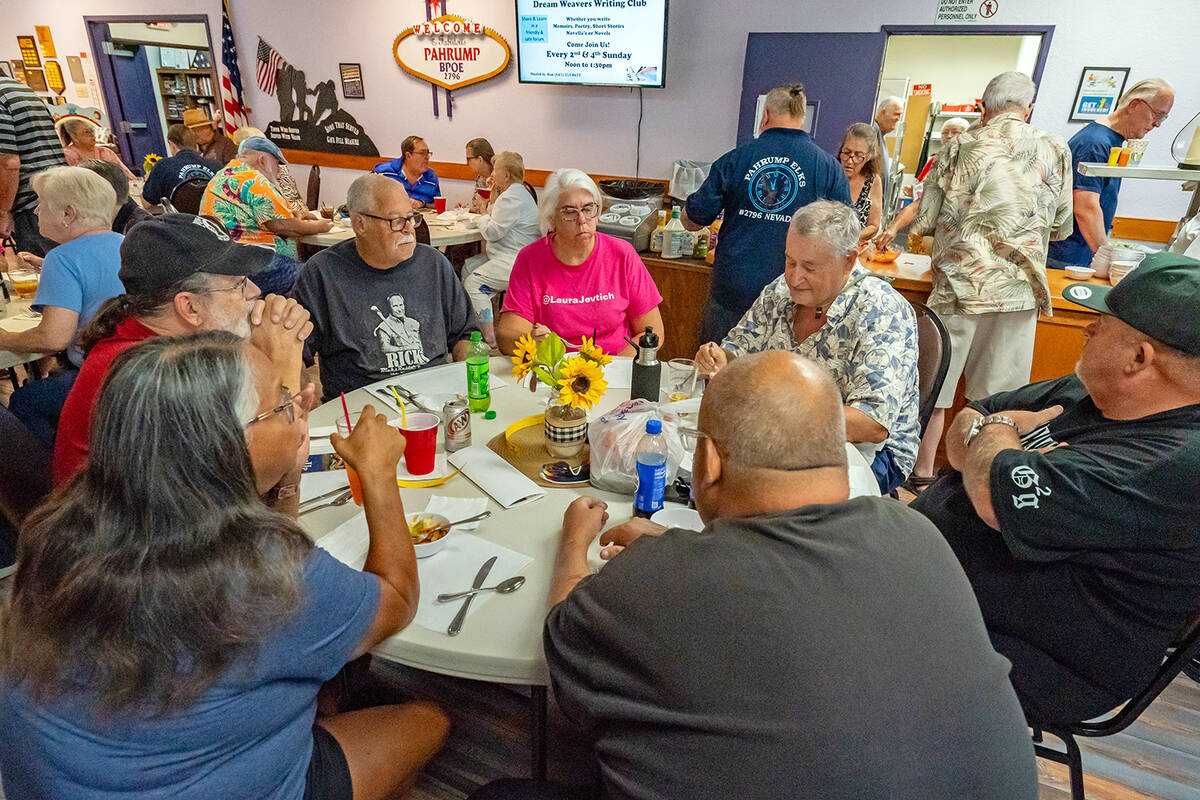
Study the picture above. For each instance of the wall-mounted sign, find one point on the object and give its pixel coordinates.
(29, 52)
(35, 79)
(54, 77)
(352, 83)
(1098, 92)
(45, 40)
(451, 52)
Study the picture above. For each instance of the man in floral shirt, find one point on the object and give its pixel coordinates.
(997, 196)
(830, 309)
(244, 197)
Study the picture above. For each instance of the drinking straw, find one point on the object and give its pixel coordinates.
(695, 377)
(399, 402)
(346, 411)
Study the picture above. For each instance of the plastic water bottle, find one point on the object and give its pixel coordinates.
(478, 394)
(651, 471)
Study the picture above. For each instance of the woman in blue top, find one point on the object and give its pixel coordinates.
(167, 633)
(412, 170)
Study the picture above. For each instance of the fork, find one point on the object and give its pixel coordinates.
(340, 500)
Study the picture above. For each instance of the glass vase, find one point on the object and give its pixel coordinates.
(566, 429)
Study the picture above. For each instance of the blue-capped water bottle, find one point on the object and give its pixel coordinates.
(651, 470)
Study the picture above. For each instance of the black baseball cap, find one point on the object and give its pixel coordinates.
(160, 251)
(1160, 297)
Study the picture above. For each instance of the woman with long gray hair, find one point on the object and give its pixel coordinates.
(166, 634)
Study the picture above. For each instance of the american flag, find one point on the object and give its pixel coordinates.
(269, 62)
(231, 76)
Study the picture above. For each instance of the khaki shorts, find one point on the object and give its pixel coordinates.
(994, 351)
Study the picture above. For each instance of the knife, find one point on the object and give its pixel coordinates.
(480, 577)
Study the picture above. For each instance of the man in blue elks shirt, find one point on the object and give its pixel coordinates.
(759, 186)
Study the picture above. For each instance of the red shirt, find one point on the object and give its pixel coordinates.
(75, 424)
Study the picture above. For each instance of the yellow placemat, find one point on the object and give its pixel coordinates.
(523, 444)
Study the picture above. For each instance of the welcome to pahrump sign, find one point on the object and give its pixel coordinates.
(451, 52)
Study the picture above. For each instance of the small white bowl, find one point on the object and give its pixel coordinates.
(1080, 273)
(1115, 276)
(676, 516)
(429, 548)
(1124, 265)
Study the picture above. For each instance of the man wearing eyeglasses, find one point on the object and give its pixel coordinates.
(413, 172)
(382, 304)
(181, 274)
(1140, 110)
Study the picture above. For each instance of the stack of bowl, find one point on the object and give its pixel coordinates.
(1119, 269)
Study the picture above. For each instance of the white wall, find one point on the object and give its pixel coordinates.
(694, 117)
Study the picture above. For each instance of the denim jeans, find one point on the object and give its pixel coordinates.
(38, 403)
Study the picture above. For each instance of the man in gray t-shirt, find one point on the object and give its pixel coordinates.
(381, 304)
(802, 645)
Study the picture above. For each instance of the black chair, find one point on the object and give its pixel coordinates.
(933, 360)
(24, 481)
(421, 229)
(312, 191)
(1179, 655)
(186, 196)
(531, 190)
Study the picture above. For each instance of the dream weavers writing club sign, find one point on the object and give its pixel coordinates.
(451, 52)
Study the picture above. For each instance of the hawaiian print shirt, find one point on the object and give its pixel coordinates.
(244, 200)
(995, 198)
(868, 343)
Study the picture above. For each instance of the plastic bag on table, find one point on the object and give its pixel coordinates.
(614, 438)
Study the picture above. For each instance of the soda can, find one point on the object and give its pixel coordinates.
(457, 416)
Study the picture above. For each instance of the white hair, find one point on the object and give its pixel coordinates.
(562, 180)
(957, 122)
(834, 223)
(1009, 91)
(1147, 90)
(91, 197)
(889, 101)
(364, 192)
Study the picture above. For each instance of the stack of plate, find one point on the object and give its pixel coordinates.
(1119, 269)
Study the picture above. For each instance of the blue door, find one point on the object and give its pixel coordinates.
(129, 94)
(840, 73)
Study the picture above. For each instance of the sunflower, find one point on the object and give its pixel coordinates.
(582, 384)
(589, 350)
(522, 356)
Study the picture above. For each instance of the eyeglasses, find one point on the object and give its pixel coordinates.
(851, 155)
(422, 152)
(239, 287)
(395, 223)
(1159, 116)
(286, 406)
(572, 214)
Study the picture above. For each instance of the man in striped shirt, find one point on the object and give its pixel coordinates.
(28, 144)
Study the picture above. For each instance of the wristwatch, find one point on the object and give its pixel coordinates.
(994, 419)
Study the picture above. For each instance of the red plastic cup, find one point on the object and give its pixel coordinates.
(420, 437)
(485, 193)
(439, 204)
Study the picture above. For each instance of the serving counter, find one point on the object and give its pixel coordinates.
(684, 285)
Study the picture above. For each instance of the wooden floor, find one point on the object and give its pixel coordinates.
(1158, 758)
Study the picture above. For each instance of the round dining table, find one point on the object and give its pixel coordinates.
(501, 641)
(442, 233)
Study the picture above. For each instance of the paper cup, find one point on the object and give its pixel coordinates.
(420, 436)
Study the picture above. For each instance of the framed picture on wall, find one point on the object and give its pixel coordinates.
(18, 69)
(352, 83)
(1098, 92)
(36, 80)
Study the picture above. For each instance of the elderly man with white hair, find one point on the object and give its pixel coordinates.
(246, 199)
(996, 198)
(827, 307)
(382, 304)
(75, 208)
(575, 281)
(887, 117)
(1140, 110)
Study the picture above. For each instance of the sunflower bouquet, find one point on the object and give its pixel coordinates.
(149, 161)
(578, 378)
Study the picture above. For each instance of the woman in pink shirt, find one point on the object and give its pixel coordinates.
(81, 146)
(574, 281)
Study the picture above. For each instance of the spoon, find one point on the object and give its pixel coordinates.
(476, 518)
(503, 587)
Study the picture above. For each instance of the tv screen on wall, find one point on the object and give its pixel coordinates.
(592, 42)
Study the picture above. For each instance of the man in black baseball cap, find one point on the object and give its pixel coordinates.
(181, 274)
(1073, 505)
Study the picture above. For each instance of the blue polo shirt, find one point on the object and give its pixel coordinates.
(424, 188)
(760, 185)
(79, 276)
(1091, 143)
